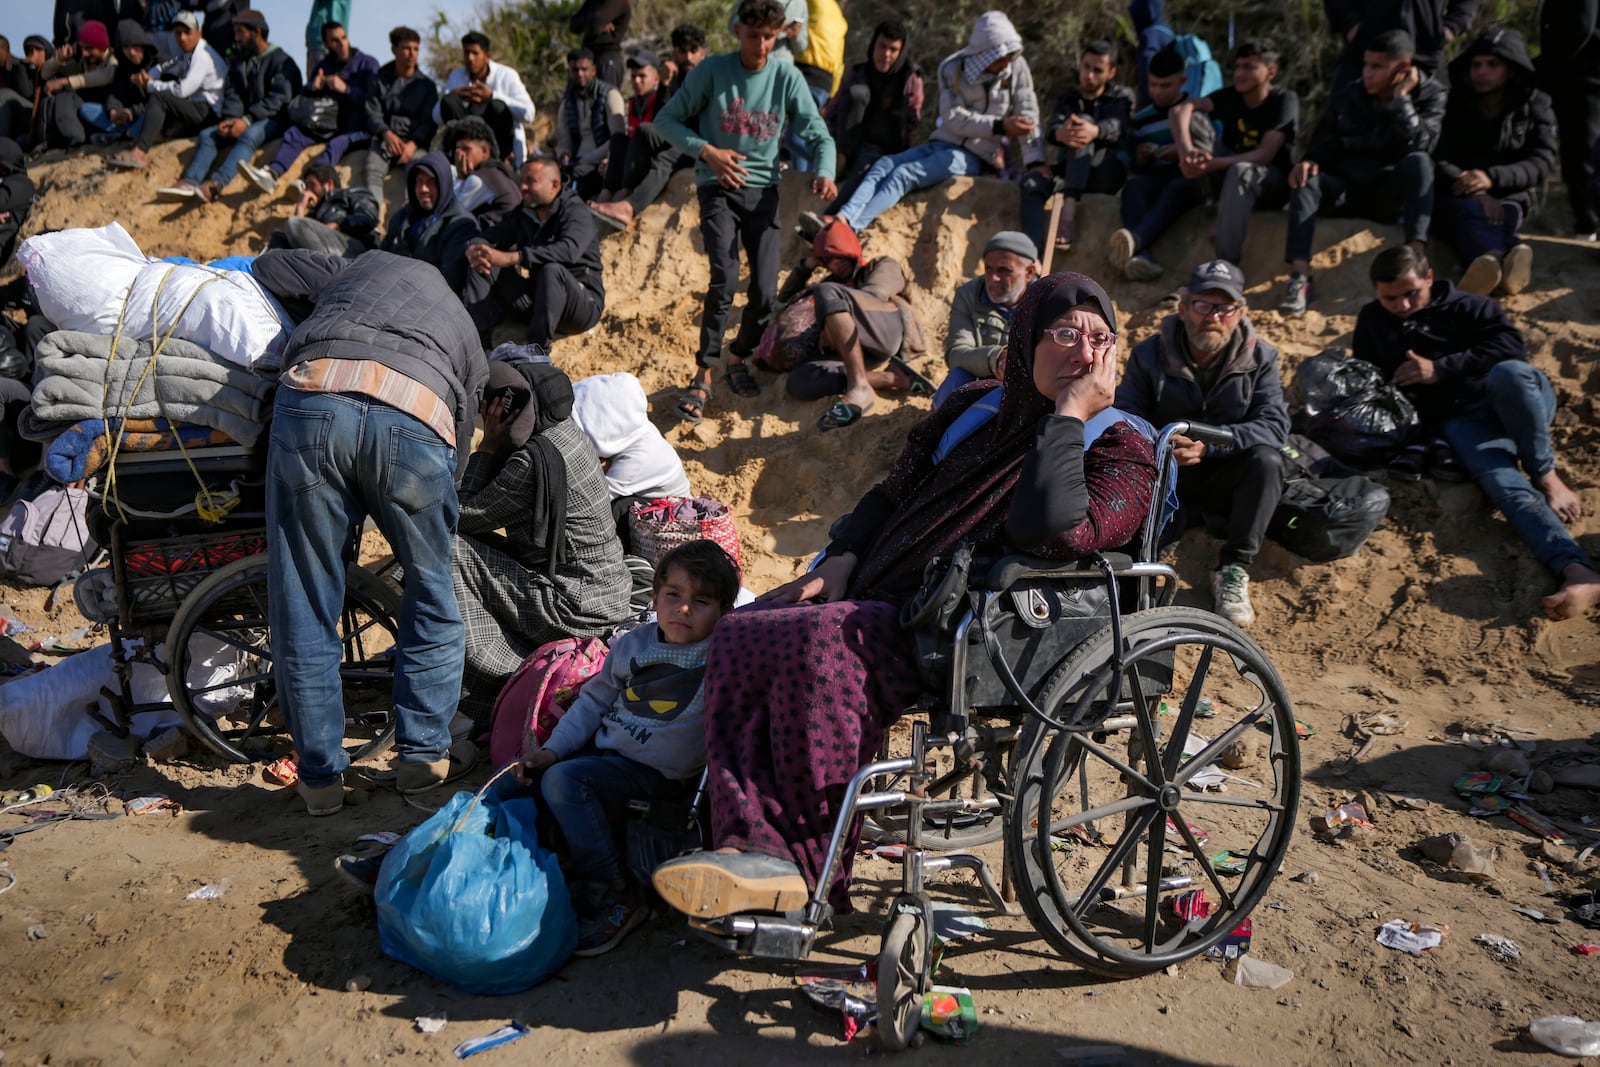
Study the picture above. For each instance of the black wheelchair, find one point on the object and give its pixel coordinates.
(1087, 739)
(186, 591)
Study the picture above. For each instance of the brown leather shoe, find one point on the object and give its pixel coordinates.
(414, 778)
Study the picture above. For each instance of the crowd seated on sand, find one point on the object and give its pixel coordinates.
(525, 541)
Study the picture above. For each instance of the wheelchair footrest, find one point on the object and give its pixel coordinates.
(773, 937)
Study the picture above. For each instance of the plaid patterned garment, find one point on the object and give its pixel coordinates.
(511, 609)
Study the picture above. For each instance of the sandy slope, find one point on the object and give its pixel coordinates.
(1434, 620)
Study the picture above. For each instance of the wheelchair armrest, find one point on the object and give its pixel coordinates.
(1009, 570)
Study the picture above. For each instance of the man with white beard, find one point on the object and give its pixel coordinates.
(1207, 364)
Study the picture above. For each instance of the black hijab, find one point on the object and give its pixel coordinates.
(548, 402)
(966, 496)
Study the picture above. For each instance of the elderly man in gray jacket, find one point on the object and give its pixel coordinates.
(379, 394)
(980, 314)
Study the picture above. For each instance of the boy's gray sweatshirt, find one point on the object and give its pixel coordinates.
(647, 703)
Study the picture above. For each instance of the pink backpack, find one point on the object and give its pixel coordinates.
(534, 698)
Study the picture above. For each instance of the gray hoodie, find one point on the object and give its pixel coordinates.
(971, 113)
(647, 703)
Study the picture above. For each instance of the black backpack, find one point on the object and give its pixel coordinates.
(1328, 509)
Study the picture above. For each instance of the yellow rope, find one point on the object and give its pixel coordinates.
(210, 506)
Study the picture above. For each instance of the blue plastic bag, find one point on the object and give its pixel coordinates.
(484, 907)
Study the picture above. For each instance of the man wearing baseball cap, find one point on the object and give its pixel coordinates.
(185, 93)
(1207, 364)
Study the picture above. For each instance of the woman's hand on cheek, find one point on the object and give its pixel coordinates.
(1087, 395)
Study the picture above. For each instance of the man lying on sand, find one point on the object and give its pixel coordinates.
(1464, 365)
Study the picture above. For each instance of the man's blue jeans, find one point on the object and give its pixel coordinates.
(207, 145)
(892, 177)
(1511, 425)
(335, 458)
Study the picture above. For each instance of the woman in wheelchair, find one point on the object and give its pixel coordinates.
(801, 688)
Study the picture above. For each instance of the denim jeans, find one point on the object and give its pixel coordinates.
(799, 154)
(1404, 190)
(892, 177)
(207, 145)
(953, 380)
(583, 794)
(1511, 425)
(97, 117)
(1467, 226)
(333, 459)
(1155, 198)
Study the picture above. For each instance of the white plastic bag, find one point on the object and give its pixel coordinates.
(45, 715)
(80, 276)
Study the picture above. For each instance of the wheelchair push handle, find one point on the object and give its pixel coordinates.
(1221, 436)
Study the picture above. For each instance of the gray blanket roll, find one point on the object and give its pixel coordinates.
(188, 385)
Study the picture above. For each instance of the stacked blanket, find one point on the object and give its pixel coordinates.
(78, 377)
(86, 446)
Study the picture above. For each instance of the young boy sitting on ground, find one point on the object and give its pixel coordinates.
(635, 732)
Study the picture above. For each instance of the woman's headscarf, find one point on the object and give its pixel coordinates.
(549, 402)
(965, 496)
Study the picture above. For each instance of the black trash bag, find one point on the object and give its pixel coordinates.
(1328, 510)
(1346, 406)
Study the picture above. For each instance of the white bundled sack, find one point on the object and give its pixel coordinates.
(231, 317)
(80, 276)
(90, 280)
(46, 715)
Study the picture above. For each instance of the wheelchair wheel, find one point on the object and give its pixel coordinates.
(948, 831)
(220, 664)
(904, 964)
(1196, 792)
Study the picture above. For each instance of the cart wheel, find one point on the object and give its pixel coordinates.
(220, 664)
(1104, 808)
(904, 962)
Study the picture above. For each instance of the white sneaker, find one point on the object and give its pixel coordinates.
(1123, 248)
(1518, 269)
(181, 191)
(265, 180)
(1230, 592)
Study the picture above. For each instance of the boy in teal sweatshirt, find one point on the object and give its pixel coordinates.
(743, 102)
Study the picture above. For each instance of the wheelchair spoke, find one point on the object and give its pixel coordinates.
(1149, 735)
(1179, 737)
(1195, 850)
(1133, 777)
(1221, 801)
(1090, 897)
(1213, 751)
(226, 637)
(1152, 874)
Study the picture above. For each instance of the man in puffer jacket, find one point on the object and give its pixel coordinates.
(432, 226)
(1498, 145)
(986, 96)
(1370, 156)
(379, 395)
(328, 218)
(1207, 364)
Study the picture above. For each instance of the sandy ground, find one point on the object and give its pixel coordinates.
(1435, 621)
